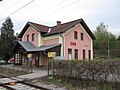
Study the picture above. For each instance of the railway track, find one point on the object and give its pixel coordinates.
(20, 85)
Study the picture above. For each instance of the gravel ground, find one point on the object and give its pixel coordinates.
(11, 72)
(39, 82)
(42, 81)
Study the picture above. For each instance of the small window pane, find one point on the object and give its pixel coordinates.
(83, 54)
(27, 38)
(82, 37)
(89, 54)
(76, 53)
(33, 37)
(75, 34)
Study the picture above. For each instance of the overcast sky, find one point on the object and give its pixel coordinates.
(47, 12)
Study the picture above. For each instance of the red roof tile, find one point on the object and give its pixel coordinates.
(62, 27)
(39, 27)
(59, 28)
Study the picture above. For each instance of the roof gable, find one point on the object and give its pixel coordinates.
(37, 27)
(59, 28)
(62, 27)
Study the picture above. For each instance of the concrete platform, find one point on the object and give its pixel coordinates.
(6, 80)
(32, 75)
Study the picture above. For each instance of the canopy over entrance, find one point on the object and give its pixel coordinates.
(39, 54)
(30, 47)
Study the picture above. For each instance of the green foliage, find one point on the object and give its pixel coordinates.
(6, 29)
(86, 74)
(101, 43)
(59, 82)
(54, 80)
(6, 38)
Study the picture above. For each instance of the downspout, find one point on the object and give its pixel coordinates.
(45, 52)
(62, 43)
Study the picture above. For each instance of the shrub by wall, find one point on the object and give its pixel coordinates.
(100, 71)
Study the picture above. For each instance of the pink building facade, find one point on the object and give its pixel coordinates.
(31, 35)
(72, 40)
(79, 46)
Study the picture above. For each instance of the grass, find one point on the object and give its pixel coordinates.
(54, 80)
(59, 82)
(69, 86)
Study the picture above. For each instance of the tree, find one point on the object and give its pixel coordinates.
(118, 47)
(6, 38)
(118, 38)
(101, 44)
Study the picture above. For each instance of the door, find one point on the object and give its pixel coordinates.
(69, 54)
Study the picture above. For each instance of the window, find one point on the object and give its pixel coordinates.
(89, 54)
(18, 58)
(69, 54)
(27, 38)
(81, 36)
(76, 53)
(75, 34)
(33, 37)
(83, 54)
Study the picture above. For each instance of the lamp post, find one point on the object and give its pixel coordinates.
(108, 42)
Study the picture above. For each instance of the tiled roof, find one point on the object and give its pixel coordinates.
(27, 45)
(59, 28)
(62, 27)
(39, 27)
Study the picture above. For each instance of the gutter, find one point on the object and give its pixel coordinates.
(62, 43)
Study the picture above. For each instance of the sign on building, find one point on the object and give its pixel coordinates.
(29, 55)
(51, 54)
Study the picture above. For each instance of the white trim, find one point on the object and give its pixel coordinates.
(51, 37)
(40, 39)
(27, 31)
(62, 42)
(91, 50)
(91, 41)
(49, 30)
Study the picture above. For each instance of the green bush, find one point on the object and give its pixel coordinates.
(87, 72)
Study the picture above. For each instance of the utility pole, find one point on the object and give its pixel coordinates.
(108, 43)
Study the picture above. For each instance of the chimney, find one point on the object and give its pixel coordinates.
(58, 23)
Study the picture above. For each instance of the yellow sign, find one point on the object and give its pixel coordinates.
(29, 55)
(12, 83)
(51, 54)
